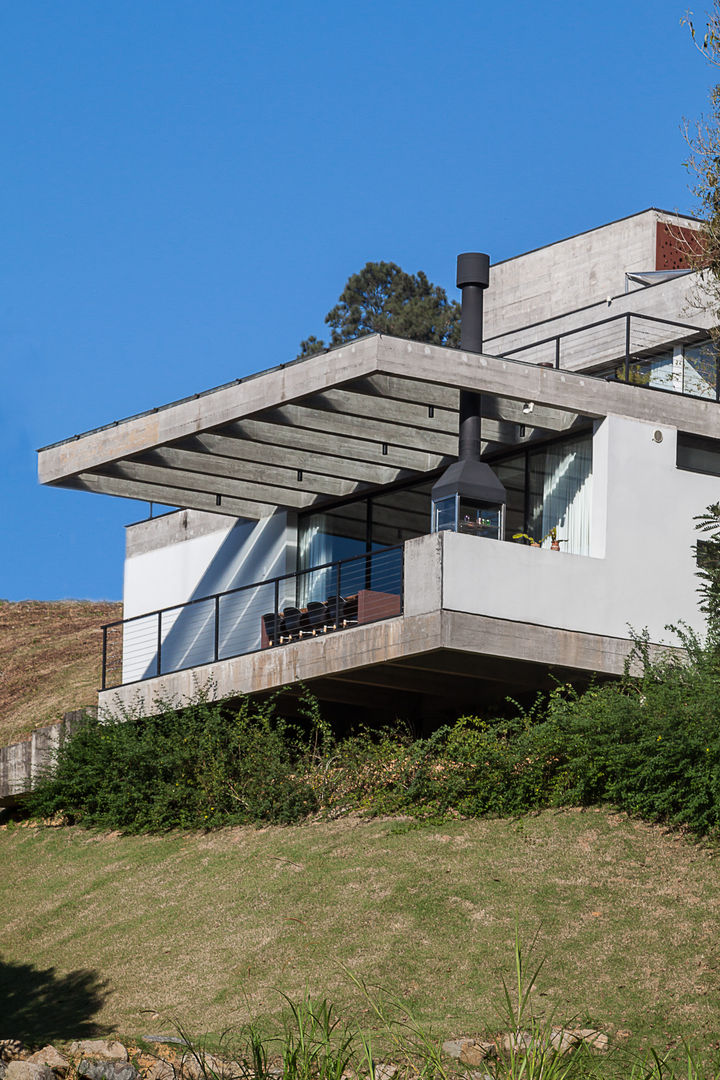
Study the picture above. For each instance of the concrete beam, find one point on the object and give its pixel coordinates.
(406, 389)
(362, 428)
(237, 469)
(356, 404)
(202, 482)
(575, 393)
(272, 396)
(357, 450)
(216, 407)
(275, 446)
(414, 639)
(168, 496)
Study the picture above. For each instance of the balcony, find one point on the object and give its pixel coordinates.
(265, 614)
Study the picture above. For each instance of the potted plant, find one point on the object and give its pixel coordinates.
(552, 536)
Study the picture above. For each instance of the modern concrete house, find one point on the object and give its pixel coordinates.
(322, 536)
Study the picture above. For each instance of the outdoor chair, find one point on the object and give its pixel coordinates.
(274, 628)
(317, 615)
(293, 622)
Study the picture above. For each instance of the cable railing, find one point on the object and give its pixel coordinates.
(621, 348)
(263, 615)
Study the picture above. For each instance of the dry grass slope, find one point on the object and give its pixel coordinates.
(205, 928)
(50, 657)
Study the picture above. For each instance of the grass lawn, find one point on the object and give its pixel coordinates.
(207, 928)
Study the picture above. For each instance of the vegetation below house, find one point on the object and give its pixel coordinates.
(206, 928)
(50, 661)
(649, 746)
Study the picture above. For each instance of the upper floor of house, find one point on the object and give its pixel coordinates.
(598, 388)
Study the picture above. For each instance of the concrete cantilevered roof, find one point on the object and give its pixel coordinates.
(368, 413)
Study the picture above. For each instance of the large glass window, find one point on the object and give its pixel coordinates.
(560, 478)
(548, 487)
(688, 369)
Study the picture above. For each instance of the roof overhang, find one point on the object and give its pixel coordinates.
(366, 414)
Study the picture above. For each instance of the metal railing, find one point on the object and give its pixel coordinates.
(264, 614)
(621, 340)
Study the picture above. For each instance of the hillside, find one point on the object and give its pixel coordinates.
(204, 929)
(50, 658)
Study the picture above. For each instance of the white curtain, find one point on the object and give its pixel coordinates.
(315, 549)
(566, 497)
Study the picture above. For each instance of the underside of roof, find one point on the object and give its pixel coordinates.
(364, 415)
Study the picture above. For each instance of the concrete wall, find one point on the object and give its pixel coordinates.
(641, 572)
(188, 555)
(20, 763)
(572, 273)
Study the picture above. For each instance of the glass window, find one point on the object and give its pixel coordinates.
(700, 370)
(698, 454)
(400, 514)
(560, 476)
(327, 537)
(445, 511)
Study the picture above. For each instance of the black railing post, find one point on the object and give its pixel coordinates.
(402, 579)
(557, 351)
(159, 644)
(276, 617)
(337, 597)
(104, 666)
(627, 347)
(217, 627)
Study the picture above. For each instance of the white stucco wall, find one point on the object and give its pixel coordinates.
(189, 555)
(641, 572)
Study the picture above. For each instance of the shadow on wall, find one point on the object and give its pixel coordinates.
(38, 1006)
(251, 552)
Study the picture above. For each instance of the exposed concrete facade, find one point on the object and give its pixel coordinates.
(502, 607)
(21, 763)
(571, 274)
(246, 459)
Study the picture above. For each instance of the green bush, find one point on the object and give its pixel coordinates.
(648, 745)
(201, 765)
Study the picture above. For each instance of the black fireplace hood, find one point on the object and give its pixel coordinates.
(469, 479)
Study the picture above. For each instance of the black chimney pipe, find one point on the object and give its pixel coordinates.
(469, 477)
(473, 277)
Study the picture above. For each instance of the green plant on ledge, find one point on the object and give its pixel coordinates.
(552, 536)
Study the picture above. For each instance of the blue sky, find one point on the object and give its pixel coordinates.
(187, 184)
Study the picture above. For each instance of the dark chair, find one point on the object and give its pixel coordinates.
(335, 612)
(274, 628)
(292, 617)
(317, 616)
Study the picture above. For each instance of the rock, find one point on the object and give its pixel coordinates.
(160, 1070)
(383, 1070)
(562, 1040)
(469, 1051)
(475, 1053)
(106, 1069)
(517, 1042)
(10, 1049)
(3, 1069)
(28, 1070)
(107, 1050)
(596, 1040)
(201, 1066)
(50, 1057)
